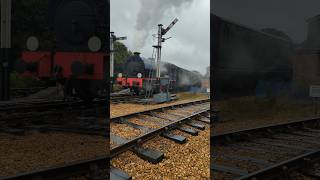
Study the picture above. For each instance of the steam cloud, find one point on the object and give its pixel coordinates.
(150, 14)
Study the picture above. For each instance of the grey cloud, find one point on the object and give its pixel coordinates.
(189, 47)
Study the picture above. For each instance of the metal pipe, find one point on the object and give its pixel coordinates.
(112, 40)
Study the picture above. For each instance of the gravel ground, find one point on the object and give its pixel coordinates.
(299, 176)
(186, 161)
(156, 120)
(124, 131)
(35, 150)
(147, 123)
(169, 117)
(247, 112)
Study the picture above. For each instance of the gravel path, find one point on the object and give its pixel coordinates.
(35, 150)
(247, 112)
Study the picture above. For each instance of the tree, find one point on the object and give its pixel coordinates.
(121, 55)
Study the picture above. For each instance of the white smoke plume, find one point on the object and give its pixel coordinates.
(150, 14)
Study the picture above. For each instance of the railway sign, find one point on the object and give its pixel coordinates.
(314, 91)
(164, 31)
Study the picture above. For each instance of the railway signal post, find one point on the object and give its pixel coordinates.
(161, 33)
(113, 39)
(5, 49)
(163, 83)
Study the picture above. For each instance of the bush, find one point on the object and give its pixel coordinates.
(18, 81)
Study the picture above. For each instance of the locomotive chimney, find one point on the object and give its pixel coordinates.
(137, 53)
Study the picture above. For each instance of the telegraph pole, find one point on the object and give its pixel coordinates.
(5, 49)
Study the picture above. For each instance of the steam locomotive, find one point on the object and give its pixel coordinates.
(247, 61)
(78, 57)
(138, 72)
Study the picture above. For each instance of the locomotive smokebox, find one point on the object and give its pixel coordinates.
(137, 53)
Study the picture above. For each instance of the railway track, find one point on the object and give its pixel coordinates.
(98, 168)
(36, 105)
(23, 92)
(77, 117)
(131, 131)
(116, 99)
(270, 152)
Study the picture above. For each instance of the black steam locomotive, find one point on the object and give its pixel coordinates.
(138, 72)
(77, 58)
(247, 61)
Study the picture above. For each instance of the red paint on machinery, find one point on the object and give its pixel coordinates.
(96, 60)
(46, 62)
(42, 59)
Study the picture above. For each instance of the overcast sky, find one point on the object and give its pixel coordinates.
(288, 16)
(189, 46)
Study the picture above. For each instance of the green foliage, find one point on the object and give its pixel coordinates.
(18, 81)
(121, 55)
(117, 87)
